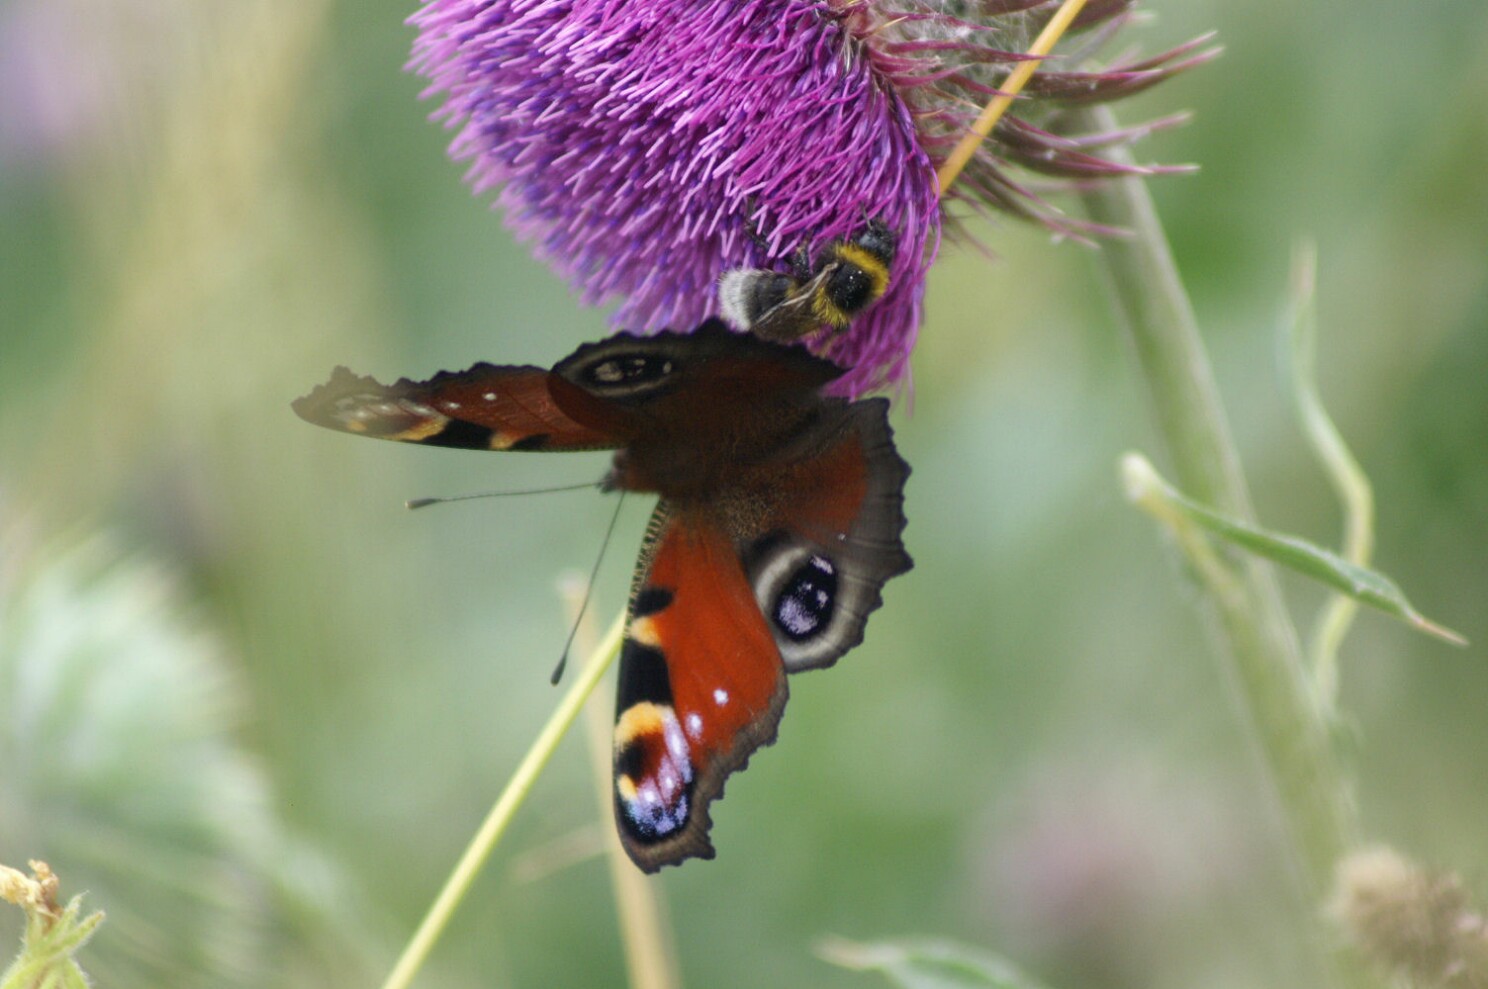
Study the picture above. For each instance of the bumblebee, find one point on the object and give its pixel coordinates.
(849, 275)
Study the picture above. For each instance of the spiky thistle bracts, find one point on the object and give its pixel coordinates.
(945, 61)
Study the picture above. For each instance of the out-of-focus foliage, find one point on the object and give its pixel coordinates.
(53, 933)
(926, 964)
(204, 207)
(118, 757)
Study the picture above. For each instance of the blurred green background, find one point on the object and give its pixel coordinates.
(204, 207)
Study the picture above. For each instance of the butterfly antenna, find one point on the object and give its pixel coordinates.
(425, 502)
(588, 590)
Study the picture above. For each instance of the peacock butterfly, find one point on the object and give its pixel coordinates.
(778, 522)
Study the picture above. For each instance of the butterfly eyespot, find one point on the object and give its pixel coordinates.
(630, 762)
(805, 604)
(653, 771)
(629, 369)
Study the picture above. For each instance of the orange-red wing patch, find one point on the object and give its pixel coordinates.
(824, 495)
(485, 408)
(701, 687)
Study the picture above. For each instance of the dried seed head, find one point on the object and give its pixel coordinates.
(1411, 921)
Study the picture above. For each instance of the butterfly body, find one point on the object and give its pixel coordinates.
(778, 522)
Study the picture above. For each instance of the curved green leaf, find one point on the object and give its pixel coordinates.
(1156, 496)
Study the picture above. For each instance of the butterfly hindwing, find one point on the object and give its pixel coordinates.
(831, 539)
(487, 407)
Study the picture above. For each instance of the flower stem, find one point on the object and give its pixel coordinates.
(645, 932)
(1260, 641)
(1011, 87)
(502, 812)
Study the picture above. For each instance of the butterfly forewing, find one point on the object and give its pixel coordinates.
(710, 367)
(485, 408)
(701, 686)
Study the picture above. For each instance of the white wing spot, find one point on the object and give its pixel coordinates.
(489, 396)
(694, 725)
(451, 406)
(720, 697)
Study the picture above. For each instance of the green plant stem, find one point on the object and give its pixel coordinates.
(1260, 641)
(640, 904)
(502, 812)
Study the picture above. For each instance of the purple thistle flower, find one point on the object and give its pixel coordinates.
(647, 147)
